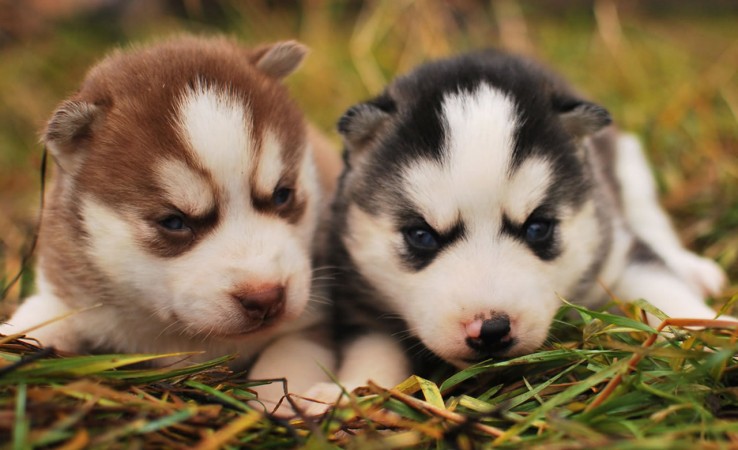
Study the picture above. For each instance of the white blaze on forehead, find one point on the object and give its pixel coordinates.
(270, 166)
(480, 137)
(218, 129)
(185, 188)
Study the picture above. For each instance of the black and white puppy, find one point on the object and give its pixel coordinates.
(478, 191)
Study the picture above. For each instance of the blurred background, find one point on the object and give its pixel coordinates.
(665, 69)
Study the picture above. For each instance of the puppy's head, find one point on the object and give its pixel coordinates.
(467, 202)
(185, 183)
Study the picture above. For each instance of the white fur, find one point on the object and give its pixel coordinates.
(269, 169)
(194, 289)
(218, 129)
(358, 366)
(526, 189)
(638, 191)
(650, 222)
(40, 309)
(294, 354)
(482, 125)
(664, 290)
(185, 188)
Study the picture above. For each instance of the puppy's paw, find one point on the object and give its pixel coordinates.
(314, 402)
(321, 397)
(703, 274)
(271, 399)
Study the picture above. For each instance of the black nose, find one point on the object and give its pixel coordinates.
(494, 330)
(493, 337)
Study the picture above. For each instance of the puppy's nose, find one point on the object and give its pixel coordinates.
(492, 335)
(261, 303)
(494, 330)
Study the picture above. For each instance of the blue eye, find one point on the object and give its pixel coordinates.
(537, 231)
(281, 196)
(421, 238)
(175, 222)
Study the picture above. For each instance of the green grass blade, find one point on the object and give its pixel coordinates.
(47, 369)
(563, 397)
(558, 355)
(430, 390)
(159, 374)
(218, 394)
(22, 424)
(612, 319)
(167, 421)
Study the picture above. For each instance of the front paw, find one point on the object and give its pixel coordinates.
(321, 397)
(312, 403)
(703, 274)
(271, 398)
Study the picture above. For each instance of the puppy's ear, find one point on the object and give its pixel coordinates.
(280, 59)
(363, 123)
(69, 130)
(581, 118)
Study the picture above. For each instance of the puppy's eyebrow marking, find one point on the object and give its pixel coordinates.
(269, 171)
(185, 188)
(527, 188)
(430, 194)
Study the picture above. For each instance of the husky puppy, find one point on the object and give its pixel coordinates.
(477, 192)
(184, 212)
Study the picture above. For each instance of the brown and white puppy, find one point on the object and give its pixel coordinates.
(184, 211)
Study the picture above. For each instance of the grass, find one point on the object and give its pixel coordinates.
(680, 394)
(668, 75)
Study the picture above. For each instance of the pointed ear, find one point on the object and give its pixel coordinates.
(280, 59)
(581, 118)
(68, 130)
(362, 122)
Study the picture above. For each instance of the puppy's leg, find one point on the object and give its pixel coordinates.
(662, 288)
(34, 311)
(376, 357)
(296, 357)
(647, 277)
(649, 221)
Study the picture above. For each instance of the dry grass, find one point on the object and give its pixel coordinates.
(668, 75)
(676, 392)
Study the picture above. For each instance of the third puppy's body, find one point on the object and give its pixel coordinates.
(478, 191)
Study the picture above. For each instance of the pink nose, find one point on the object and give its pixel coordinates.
(474, 328)
(261, 303)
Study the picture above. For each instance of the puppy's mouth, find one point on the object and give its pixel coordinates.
(265, 325)
(244, 331)
(485, 355)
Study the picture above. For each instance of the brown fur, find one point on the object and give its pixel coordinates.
(121, 119)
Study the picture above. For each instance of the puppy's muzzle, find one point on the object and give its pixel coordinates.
(489, 336)
(262, 304)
